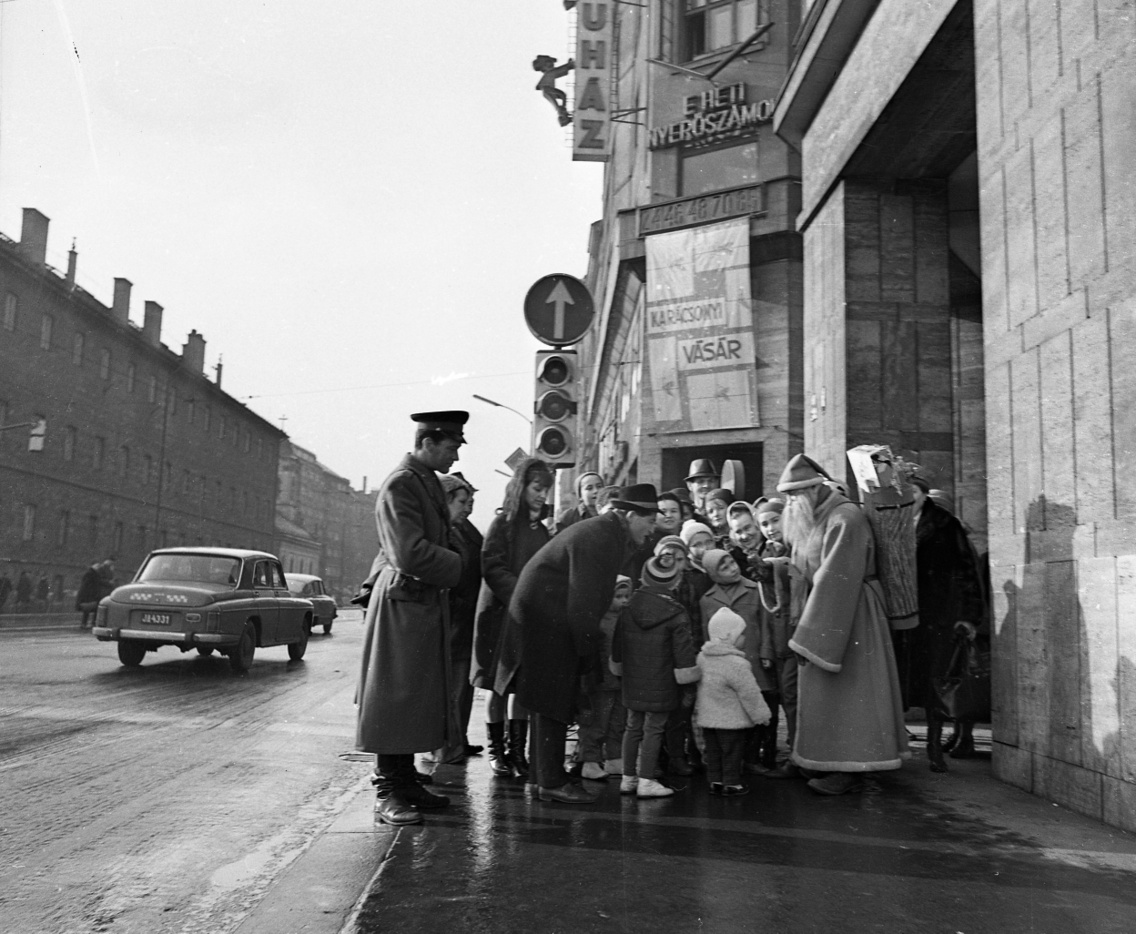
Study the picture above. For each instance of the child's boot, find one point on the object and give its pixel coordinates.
(649, 788)
(628, 785)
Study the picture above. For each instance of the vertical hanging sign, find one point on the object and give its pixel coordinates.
(595, 33)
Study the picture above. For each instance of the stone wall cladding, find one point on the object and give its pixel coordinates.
(1056, 130)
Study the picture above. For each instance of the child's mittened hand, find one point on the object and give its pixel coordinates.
(767, 663)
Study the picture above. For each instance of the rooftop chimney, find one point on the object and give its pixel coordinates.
(72, 259)
(218, 368)
(152, 323)
(121, 307)
(33, 236)
(193, 353)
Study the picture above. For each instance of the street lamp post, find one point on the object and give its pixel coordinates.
(501, 405)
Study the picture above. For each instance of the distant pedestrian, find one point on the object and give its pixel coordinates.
(89, 594)
(5, 590)
(653, 654)
(404, 693)
(730, 703)
(560, 598)
(43, 592)
(23, 591)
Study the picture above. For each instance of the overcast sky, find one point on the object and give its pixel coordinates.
(348, 200)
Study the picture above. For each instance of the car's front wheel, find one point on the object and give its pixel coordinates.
(205, 650)
(241, 656)
(131, 653)
(327, 628)
(297, 649)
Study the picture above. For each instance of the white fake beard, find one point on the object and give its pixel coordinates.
(797, 522)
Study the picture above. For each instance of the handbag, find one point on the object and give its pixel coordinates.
(963, 692)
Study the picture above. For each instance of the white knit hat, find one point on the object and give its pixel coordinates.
(725, 625)
(690, 528)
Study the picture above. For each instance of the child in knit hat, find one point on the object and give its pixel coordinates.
(601, 726)
(737, 593)
(729, 703)
(653, 654)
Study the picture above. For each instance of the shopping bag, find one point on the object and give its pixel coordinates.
(963, 692)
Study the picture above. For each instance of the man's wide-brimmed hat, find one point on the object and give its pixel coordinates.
(450, 423)
(640, 498)
(801, 473)
(703, 467)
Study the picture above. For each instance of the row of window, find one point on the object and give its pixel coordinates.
(157, 392)
(67, 527)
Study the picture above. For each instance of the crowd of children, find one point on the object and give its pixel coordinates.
(695, 666)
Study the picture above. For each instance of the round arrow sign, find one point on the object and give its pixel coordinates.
(559, 309)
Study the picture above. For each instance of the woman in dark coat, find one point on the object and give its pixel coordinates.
(467, 541)
(516, 534)
(950, 592)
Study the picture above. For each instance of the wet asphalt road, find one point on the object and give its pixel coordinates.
(180, 797)
(165, 798)
(919, 854)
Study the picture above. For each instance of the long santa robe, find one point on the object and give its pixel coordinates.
(849, 713)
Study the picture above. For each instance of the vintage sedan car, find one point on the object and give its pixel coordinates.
(310, 586)
(225, 600)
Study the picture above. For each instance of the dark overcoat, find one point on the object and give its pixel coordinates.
(467, 541)
(404, 689)
(652, 652)
(496, 648)
(560, 598)
(950, 590)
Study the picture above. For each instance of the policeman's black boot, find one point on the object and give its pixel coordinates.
(517, 742)
(391, 803)
(498, 761)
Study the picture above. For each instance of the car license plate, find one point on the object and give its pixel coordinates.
(156, 619)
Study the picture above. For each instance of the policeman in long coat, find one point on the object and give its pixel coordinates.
(404, 689)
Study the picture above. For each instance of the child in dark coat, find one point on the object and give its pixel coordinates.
(653, 653)
(729, 702)
(601, 726)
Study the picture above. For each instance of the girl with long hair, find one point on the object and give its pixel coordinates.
(516, 534)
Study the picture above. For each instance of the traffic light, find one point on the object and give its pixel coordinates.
(554, 428)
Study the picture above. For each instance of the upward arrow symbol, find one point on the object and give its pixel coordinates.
(560, 296)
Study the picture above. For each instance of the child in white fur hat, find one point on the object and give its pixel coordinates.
(729, 702)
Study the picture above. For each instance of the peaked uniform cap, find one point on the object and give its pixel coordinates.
(703, 467)
(449, 423)
(801, 473)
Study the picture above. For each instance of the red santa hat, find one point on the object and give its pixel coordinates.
(801, 473)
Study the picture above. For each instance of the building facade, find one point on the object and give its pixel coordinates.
(138, 450)
(696, 264)
(968, 215)
(323, 526)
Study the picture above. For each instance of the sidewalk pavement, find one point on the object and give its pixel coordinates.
(30, 622)
(917, 852)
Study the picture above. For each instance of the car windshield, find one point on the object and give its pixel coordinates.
(301, 587)
(203, 569)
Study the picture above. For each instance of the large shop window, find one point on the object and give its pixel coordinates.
(710, 25)
(715, 169)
